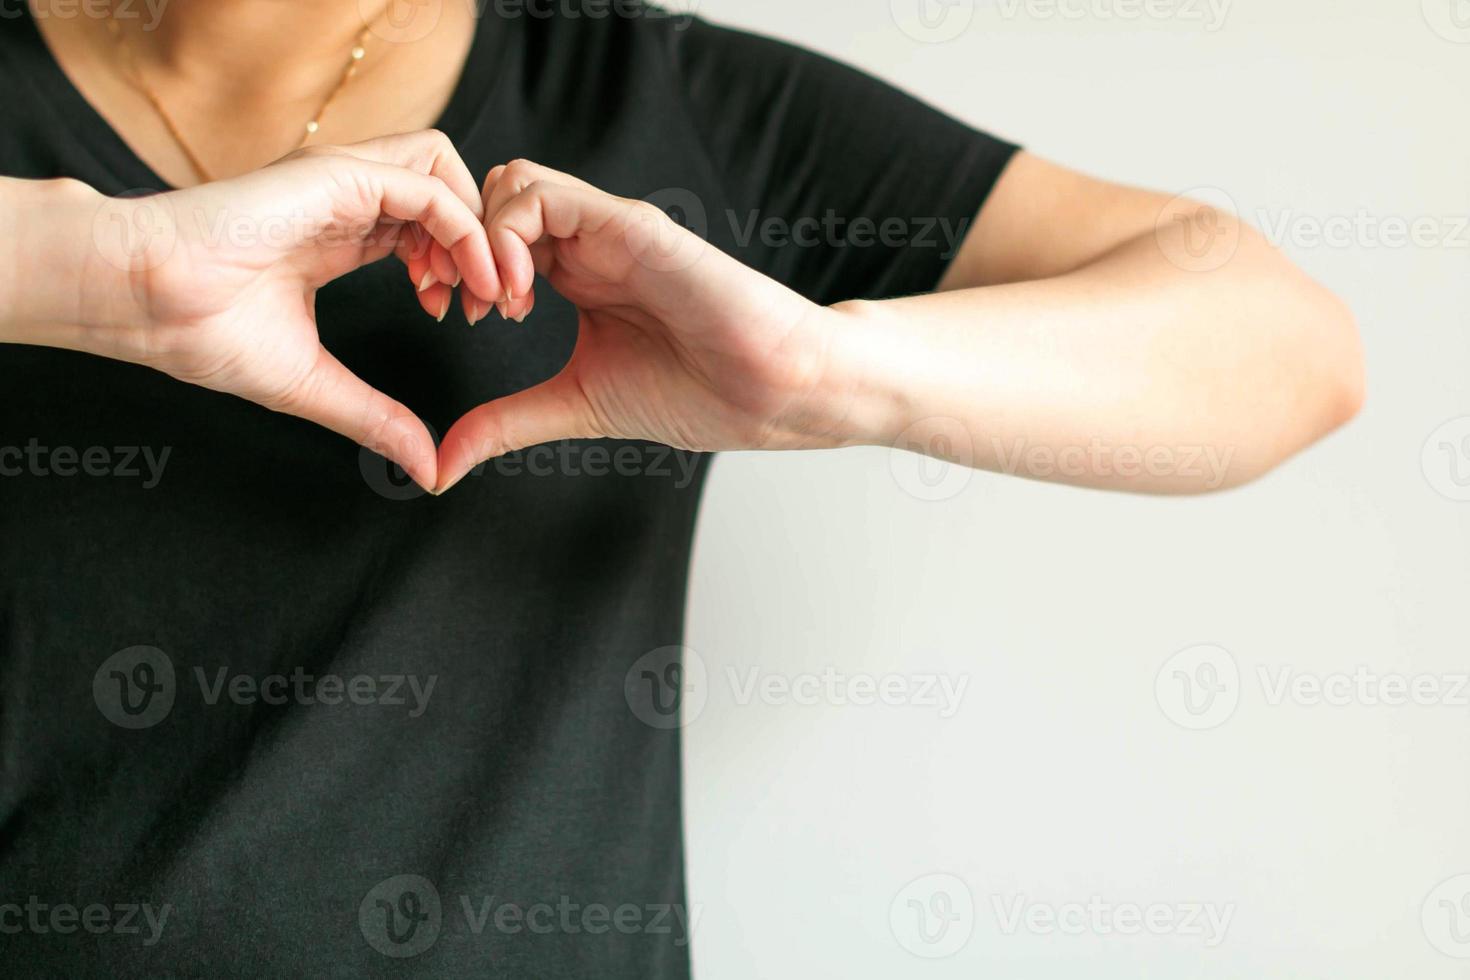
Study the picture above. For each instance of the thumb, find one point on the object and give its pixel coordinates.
(335, 398)
(552, 410)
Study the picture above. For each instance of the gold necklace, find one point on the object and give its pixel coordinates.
(125, 50)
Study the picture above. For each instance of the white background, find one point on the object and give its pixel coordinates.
(1063, 776)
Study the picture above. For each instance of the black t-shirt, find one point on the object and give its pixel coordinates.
(265, 710)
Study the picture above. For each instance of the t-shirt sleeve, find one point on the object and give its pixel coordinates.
(837, 184)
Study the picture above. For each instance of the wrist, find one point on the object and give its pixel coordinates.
(69, 277)
(861, 394)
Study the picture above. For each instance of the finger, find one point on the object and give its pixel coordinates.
(412, 247)
(441, 265)
(335, 398)
(555, 210)
(475, 309)
(427, 152)
(503, 184)
(548, 412)
(507, 181)
(412, 196)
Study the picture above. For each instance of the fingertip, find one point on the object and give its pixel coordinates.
(435, 300)
(442, 265)
(476, 265)
(513, 260)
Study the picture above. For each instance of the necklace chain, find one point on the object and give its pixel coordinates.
(125, 50)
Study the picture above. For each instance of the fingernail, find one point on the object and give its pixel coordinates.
(427, 281)
(476, 311)
(458, 278)
(444, 308)
(500, 308)
(522, 317)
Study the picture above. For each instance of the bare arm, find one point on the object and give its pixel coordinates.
(1105, 336)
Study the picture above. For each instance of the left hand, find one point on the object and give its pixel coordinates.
(678, 343)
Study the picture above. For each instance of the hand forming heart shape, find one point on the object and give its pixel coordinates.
(677, 342)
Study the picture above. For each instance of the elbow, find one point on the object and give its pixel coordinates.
(1327, 390)
(1338, 388)
(1350, 388)
(1312, 382)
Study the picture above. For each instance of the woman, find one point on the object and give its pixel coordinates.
(306, 723)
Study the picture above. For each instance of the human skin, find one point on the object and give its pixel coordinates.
(1076, 314)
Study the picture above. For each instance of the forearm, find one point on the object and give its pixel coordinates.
(1129, 373)
(57, 285)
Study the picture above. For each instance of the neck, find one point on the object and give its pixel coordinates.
(276, 48)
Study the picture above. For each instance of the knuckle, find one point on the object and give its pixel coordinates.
(437, 142)
(647, 211)
(520, 171)
(493, 177)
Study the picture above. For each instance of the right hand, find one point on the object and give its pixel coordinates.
(219, 280)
